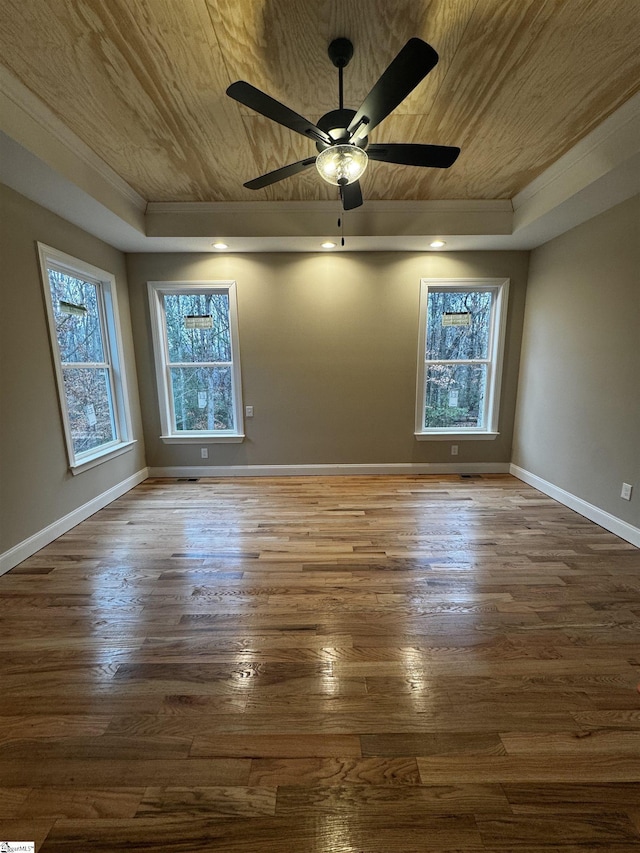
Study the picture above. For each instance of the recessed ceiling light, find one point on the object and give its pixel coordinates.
(328, 245)
(219, 245)
(437, 244)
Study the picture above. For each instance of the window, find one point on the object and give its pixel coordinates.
(462, 328)
(195, 337)
(88, 359)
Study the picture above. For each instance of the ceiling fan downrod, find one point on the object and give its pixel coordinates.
(340, 52)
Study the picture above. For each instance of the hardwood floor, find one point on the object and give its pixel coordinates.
(324, 665)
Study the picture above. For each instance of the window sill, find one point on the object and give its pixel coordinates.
(103, 456)
(458, 436)
(205, 438)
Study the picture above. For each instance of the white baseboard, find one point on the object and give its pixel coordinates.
(331, 469)
(615, 525)
(34, 543)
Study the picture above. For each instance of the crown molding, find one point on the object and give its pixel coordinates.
(607, 146)
(22, 111)
(600, 171)
(269, 207)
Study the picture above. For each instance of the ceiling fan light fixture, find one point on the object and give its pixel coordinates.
(342, 164)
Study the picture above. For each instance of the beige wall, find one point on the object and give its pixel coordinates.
(578, 421)
(329, 351)
(36, 486)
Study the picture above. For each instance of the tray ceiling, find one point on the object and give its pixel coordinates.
(518, 84)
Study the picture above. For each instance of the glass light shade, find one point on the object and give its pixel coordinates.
(341, 164)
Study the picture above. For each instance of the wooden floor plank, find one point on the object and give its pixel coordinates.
(83, 803)
(276, 746)
(300, 834)
(333, 771)
(542, 767)
(217, 802)
(572, 797)
(111, 773)
(403, 802)
(598, 741)
(447, 743)
(516, 832)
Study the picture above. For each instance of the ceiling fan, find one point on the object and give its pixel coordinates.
(341, 135)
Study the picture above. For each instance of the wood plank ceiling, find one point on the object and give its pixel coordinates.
(142, 82)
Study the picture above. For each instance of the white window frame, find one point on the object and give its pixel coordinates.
(157, 290)
(106, 291)
(494, 360)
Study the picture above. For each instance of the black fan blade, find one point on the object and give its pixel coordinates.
(280, 174)
(411, 65)
(436, 156)
(351, 195)
(267, 106)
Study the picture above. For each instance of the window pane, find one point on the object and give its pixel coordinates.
(458, 324)
(455, 395)
(198, 344)
(202, 398)
(88, 395)
(77, 318)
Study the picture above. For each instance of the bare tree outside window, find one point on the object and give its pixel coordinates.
(195, 339)
(86, 345)
(455, 385)
(200, 361)
(462, 330)
(83, 355)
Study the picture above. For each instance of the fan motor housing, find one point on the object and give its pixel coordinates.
(335, 123)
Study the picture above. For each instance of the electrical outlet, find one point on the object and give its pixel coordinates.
(248, 410)
(204, 453)
(454, 449)
(627, 488)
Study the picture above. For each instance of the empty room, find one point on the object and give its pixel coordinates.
(320, 426)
